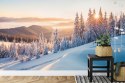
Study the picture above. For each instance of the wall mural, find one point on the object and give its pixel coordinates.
(44, 35)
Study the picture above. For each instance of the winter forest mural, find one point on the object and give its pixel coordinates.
(37, 47)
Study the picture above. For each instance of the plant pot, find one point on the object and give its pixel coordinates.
(121, 76)
(103, 51)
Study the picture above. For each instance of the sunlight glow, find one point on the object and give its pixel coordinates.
(96, 16)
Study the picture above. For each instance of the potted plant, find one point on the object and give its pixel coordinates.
(103, 47)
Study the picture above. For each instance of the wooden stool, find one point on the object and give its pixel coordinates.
(110, 64)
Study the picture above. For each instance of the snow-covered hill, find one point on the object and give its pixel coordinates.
(71, 59)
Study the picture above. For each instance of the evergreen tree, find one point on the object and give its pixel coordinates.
(13, 51)
(62, 44)
(118, 25)
(41, 43)
(33, 50)
(111, 25)
(100, 16)
(101, 25)
(27, 51)
(4, 52)
(75, 31)
(90, 15)
(76, 22)
(105, 21)
(56, 43)
(82, 29)
(45, 50)
(91, 33)
(122, 23)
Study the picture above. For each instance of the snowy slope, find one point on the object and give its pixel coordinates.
(71, 59)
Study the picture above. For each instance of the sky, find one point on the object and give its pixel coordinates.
(57, 8)
(62, 9)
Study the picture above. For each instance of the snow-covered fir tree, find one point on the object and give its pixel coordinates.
(27, 51)
(79, 28)
(63, 44)
(13, 51)
(122, 22)
(41, 43)
(105, 23)
(56, 43)
(45, 50)
(82, 26)
(111, 24)
(101, 22)
(91, 33)
(75, 31)
(4, 51)
(34, 49)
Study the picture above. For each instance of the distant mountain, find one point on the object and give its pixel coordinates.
(32, 31)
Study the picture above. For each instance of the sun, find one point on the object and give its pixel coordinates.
(96, 16)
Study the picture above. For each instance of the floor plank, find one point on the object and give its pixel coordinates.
(37, 79)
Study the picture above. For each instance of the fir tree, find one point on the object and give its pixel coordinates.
(105, 21)
(100, 16)
(13, 51)
(82, 28)
(45, 50)
(111, 25)
(91, 30)
(122, 22)
(75, 31)
(41, 43)
(56, 43)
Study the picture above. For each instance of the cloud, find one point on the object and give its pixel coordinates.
(32, 19)
(69, 23)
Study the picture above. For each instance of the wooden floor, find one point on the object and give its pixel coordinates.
(96, 79)
(53, 79)
(37, 79)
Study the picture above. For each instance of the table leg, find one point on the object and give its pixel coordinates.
(112, 69)
(88, 69)
(90, 64)
(108, 67)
